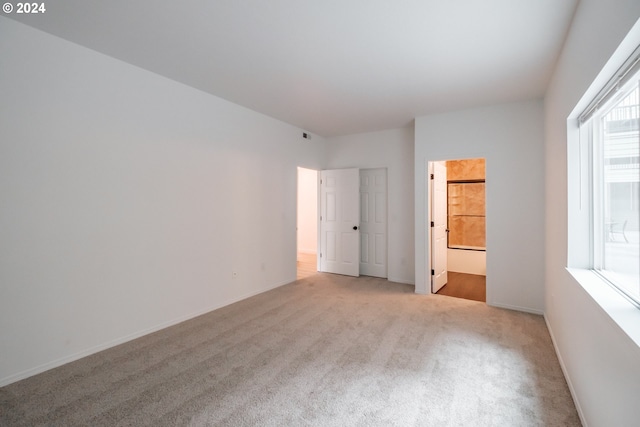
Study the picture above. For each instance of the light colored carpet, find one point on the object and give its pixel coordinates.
(327, 350)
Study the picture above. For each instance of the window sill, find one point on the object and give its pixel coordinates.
(618, 308)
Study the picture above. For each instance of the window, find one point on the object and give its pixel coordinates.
(611, 124)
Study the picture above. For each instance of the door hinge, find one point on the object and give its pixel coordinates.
(431, 176)
(320, 254)
(320, 182)
(432, 224)
(433, 272)
(320, 217)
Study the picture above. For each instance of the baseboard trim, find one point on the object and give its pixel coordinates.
(516, 308)
(96, 349)
(574, 396)
(400, 280)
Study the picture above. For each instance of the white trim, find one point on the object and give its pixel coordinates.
(403, 281)
(565, 372)
(516, 308)
(428, 279)
(92, 350)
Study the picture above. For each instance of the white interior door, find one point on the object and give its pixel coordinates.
(438, 226)
(339, 221)
(373, 222)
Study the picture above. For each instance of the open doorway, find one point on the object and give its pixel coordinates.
(458, 228)
(307, 225)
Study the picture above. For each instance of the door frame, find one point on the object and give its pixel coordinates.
(433, 251)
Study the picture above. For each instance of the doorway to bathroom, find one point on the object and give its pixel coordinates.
(458, 228)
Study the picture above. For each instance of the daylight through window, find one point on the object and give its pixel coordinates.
(612, 123)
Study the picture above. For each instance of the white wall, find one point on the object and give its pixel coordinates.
(601, 362)
(128, 200)
(307, 211)
(510, 138)
(391, 149)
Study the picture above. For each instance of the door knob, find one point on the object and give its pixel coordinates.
(355, 227)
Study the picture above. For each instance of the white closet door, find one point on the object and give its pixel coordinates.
(373, 222)
(339, 221)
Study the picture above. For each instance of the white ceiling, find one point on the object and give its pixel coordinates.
(331, 67)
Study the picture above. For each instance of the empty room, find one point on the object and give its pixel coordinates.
(152, 213)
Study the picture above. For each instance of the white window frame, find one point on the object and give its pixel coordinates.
(593, 132)
(579, 221)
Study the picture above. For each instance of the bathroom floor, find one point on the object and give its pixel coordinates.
(467, 286)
